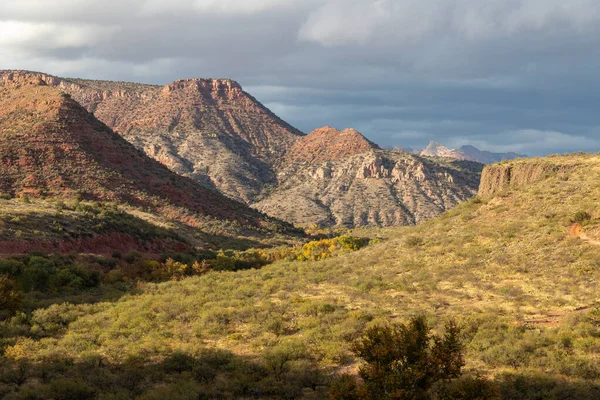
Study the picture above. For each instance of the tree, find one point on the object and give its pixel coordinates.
(10, 297)
(406, 361)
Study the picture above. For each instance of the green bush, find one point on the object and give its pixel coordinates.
(10, 297)
(581, 217)
(406, 361)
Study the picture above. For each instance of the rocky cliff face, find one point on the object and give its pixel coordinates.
(500, 177)
(366, 186)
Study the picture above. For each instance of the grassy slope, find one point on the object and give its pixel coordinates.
(506, 265)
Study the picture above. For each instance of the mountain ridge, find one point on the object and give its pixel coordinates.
(466, 152)
(52, 147)
(213, 132)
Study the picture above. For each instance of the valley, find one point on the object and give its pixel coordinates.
(130, 271)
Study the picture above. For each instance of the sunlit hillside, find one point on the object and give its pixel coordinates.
(517, 267)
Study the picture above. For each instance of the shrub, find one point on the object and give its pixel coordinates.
(414, 241)
(581, 216)
(471, 388)
(405, 361)
(35, 277)
(325, 248)
(132, 256)
(344, 387)
(11, 268)
(10, 297)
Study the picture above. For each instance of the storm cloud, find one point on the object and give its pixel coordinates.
(503, 75)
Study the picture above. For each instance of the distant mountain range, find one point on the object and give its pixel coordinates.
(226, 142)
(467, 152)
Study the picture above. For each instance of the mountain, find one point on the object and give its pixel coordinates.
(213, 132)
(517, 268)
(206, 129)
(434, 149)
(467, 152)
(486, 157)
(333, 178)
(54, 148)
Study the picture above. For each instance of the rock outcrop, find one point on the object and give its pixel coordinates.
(500, 177)
(359, 184)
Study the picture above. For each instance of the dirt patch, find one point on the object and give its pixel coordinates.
(575, 230)
(554, 318)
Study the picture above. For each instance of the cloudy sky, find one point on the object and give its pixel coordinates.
(503, 75)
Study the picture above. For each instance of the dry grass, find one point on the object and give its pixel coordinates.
(506, 268)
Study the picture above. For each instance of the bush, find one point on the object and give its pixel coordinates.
(414, 241)
(581, 217)
(10, 297)
(11, 268)
(406, 361)
(471, 388)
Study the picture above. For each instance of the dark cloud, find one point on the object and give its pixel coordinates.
(516, 75)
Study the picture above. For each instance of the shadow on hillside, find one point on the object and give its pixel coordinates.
(89, 229)
(538, 387)
(99, 230)
(214, 374)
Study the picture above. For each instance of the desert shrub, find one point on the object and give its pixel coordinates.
(413, 241)
(345, 387)
(55, 319)
(581, 217)
(223, 262)
(10, 297)
(470, 388)
(36, 274)
(535, 386)
(132, 257)
(325, 248)
(67, 389)
(278, 359)
(406, 361)
(170, 269)
(75, 277)
(11, 268)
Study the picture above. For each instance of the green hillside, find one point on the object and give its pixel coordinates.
(518, 268)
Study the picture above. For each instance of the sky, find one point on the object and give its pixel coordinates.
(502, 75)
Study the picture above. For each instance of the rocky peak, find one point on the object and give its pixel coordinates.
(328, 143)
(206, 86)
(17, 77)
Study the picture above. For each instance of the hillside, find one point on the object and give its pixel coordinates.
(53, 148)
(206, 129)
(509, 265)
(339, 178)
(220, 136)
